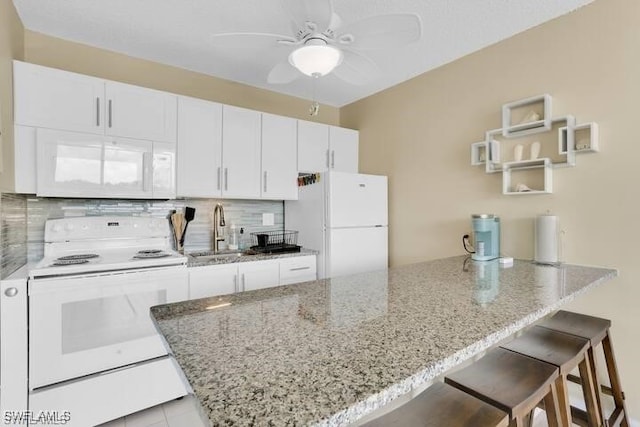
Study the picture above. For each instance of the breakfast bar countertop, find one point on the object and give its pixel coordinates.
(328, 352)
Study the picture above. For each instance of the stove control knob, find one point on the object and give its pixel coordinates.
(56, 228)
(69, 227)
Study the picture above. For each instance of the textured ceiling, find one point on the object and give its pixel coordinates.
(178, 32)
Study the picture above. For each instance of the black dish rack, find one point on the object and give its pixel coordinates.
(277, 241)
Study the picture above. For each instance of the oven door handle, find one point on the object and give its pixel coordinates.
(131, 306)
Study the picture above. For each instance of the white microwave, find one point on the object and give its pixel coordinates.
(71, 164)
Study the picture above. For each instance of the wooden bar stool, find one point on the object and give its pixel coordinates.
(511, 382)
(596, 330)
(442, 405)
(566, 352)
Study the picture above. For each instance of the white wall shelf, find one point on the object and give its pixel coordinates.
(492, 165)
(586, 138)
(478, 153)
(526, 116)
(566, 140)
(511, 169)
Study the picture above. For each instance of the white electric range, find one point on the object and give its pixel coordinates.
(94, 350)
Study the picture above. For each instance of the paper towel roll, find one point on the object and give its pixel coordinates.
(546, 240)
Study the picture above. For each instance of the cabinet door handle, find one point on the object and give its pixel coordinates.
(110, 115)
(219, 177)
(327, 159)
(98, 111)
(11, 292)
(265, 181)
(226, 179)
(244, 282)
(300, 268)
(235, 283)
(333, 159)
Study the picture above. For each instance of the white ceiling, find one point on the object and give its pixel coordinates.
(178, 32)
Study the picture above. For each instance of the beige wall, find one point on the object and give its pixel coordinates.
(419, 133)
(57, 53)
(11, 47)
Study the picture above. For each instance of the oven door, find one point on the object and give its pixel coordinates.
(80, 325)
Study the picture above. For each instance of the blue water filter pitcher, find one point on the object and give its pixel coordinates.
(486, 236)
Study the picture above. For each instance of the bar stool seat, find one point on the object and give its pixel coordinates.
(442, 405)
(511, 382)
(566, 352)
(596, 330)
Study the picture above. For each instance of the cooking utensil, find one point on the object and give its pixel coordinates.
(178, 220)
(189, 215)
(173, 231)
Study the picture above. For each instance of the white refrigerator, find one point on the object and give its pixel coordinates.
(344, 217)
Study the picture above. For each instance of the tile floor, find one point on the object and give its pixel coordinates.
(177, 413)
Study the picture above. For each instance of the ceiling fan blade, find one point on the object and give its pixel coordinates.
(381, 32)
(318, 12)
(283, 73)
(251, 40)
(356, 69)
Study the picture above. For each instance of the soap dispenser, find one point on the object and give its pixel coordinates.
(234, 238)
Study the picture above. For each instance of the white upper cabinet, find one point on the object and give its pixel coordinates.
(313, 147)
(279, 158)
(343, 145)
(322, 147)
(199, 171)
(56, 99)
(241, 153)
(49, 98)
(137, 112)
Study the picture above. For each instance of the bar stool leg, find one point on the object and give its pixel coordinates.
(552, 409)
(596, 385)
(614, 379)
(563, 400)
(589, 392)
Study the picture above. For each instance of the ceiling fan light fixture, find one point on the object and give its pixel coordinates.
(316, 59)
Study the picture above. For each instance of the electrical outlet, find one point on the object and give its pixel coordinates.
(268, 219)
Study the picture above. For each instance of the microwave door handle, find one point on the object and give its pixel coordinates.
(146, 171)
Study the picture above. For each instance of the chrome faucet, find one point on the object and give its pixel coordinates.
(218, 221)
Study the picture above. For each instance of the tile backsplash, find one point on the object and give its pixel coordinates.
(13, 233)
(243, 213)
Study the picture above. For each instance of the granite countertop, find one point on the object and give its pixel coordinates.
(201, 259)
(328, 352)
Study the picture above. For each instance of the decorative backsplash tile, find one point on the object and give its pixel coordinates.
(13, 233)
(243, 213)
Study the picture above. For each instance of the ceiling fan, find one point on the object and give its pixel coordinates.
(320, 44)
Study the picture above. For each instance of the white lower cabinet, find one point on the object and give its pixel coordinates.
(13, 352)
(297, 269)
(259, 275)
(213, 280)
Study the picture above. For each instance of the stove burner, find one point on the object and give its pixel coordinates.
(74, 261)
(150, 251)
(148, 255)
(77, 257)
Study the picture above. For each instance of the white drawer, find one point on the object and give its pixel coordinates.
(297, 269)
